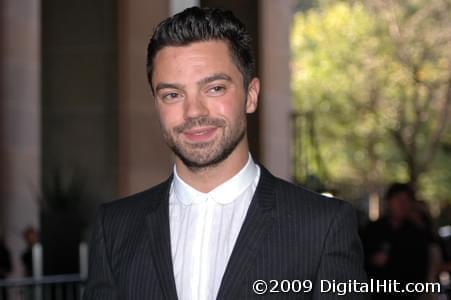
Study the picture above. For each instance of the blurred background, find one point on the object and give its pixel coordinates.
(356, 96)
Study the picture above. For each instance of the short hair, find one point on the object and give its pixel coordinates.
(197, 24)
(397, 188)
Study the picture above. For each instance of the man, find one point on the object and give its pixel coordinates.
(5, 267)
(5, 260)
(220, 222)
(396, 245)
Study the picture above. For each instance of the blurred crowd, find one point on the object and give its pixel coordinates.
(404, 244)
(30, 236)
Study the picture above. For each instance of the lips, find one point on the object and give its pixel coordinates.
(200, 134)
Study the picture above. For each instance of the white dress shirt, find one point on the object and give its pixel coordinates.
(204, 228)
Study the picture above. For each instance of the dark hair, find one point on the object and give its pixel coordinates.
(197, 24)
(397, 188)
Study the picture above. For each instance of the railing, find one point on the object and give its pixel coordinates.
(58, 287)
(39, 287)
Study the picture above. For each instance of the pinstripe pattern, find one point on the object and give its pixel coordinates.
(288, 233)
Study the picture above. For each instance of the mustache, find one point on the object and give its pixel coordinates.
(198, 122)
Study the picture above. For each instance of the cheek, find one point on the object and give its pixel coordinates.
(231, 108)
(169, 116)
(221, 109)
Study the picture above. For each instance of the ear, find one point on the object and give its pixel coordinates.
(253, 90)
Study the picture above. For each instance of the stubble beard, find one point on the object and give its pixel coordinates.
(201, 156)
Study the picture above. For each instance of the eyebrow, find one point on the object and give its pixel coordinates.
(162, 86)
(214, 77)
(203, 81)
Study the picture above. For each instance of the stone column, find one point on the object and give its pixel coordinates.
(275, 100)
(19, 121)
(144, 159)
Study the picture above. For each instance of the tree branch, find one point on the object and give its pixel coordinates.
(442, 122)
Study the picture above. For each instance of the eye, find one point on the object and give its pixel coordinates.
(216, 90)
(170, 97)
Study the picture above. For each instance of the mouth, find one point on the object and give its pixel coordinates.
(200, 134)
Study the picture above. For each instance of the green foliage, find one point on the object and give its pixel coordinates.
(375, 78)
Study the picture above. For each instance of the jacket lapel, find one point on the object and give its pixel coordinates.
(160, 241)
(256, 225)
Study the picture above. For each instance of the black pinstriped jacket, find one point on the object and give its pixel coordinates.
(289, 234)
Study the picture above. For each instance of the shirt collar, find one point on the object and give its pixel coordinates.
(225, 193)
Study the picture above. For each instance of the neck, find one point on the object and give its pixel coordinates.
(206, 179)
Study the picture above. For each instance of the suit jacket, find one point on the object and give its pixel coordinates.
(289, 234)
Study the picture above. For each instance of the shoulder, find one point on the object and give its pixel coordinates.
(316, 223)
(134, 207)
(295, 199)
(147, 197)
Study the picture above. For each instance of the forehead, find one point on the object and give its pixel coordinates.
(193, 61)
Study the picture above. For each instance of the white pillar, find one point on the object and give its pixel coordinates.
(177, 6)
(19, 120)
(38, 270)
(83, 256)
(37, 256)
(275, 125)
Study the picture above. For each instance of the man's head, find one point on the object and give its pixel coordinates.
(399, 197)
(204, 24)
(201, 72)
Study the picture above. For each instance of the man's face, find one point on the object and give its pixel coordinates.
(201, 102)
(400, 205)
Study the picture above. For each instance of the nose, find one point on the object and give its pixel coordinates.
(195, 107)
